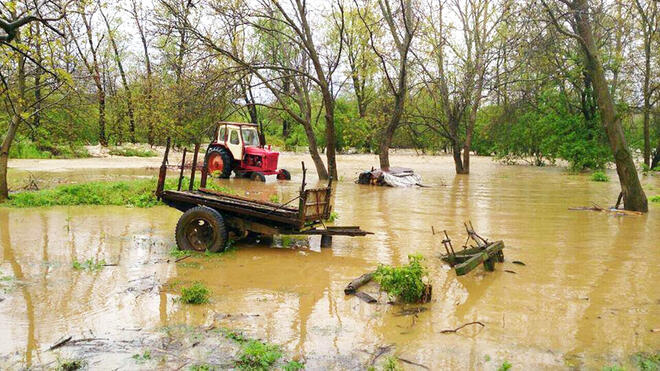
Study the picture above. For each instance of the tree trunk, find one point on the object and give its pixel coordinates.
(13, 124)
(388, 133)
(633, 195)
(149, 87)
(647, 100)
(456, 153)
(120, 66)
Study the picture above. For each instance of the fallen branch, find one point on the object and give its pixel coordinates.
(412, 363)
(352, 286)
(460, 327)
(181, 258)
(366, 297)
(60, 343)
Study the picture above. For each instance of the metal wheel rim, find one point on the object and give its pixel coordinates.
(215, 163)
(200, 234)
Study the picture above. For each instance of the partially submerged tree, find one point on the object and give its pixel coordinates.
(578, 14)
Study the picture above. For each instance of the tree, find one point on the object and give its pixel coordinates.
(649, 21)
(578, 13)
(18, 55)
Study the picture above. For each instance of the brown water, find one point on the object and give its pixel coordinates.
(588, 296)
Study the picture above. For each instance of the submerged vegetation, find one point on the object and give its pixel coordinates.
(599, 176)
(132, 152)
(137, 193)
(197, 293)
(89, 264)
(405, 282)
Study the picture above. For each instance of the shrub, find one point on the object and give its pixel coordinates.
(655, 198)
(132, 152)
(599, 176)
(256, 355)
(406, 282)
(89, 265)
(195, 294)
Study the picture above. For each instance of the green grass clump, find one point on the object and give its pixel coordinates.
(599, 176)
(655, 198)
(256, 355)
(142, 357)
(71, 365)
(203, 367)
(294, 366)
(136, 193)
(647, 361)
(391, 363)
(506, 365)
(195, 294)
(274, 198)
(405, 282)
(333, 216)
(89, 264)
(133, 152)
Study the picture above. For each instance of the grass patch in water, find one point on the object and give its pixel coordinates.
(132, 152)
(506, 365)
(599, 176)
(89, 265)
(655, 198)
(405, 282)
(203, 367)
(647, 361)
(140, 358)
(135, 193)
(256, 355)
(195, 294)
(70, 364)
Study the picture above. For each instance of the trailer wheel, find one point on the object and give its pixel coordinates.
(201, 228)
(218, 161)
(284, 174)
(258, 176)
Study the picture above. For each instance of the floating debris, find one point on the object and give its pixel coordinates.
(471, 256)
(394, 177)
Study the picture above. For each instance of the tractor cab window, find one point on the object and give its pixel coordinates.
(233, 137)
(222, 133)
(250, 137)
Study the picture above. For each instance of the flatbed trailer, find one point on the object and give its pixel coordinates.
(209, 216)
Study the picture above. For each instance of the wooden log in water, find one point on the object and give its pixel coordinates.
(352, 286)
(489, 254)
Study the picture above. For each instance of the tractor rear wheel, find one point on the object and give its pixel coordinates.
(284, 174)
(201, 228)
(218, 162)
(258, 176)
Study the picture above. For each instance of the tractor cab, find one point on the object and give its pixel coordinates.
(240, 147)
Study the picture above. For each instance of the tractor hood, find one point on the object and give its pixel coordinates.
(269, 161)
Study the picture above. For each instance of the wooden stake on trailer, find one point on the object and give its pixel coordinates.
(205, 174)
(194, 167)
(163, 171)
(183, 164)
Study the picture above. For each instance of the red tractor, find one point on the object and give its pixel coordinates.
(240, 147)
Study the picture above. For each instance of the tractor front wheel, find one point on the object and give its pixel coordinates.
(258, 176)
(284, 174)
(218, 162)
(201, 228)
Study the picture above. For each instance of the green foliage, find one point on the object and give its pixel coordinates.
(145, 356)
(197, 293)
(132, 152)
(655, 198)
(256, 355)
(89, 265)
(613, 368)
(333, 216)
(294, 366)
(391, 363)
(137, 193)
(647, 361)
(71, 365)
(405, 282)
(599, 176)
(274, 198)
(506, 365)
(175, 252)
(203, 367)
(23, 148)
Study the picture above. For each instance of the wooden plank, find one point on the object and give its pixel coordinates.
(490, 252)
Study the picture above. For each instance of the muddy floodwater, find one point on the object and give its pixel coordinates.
(588, 295)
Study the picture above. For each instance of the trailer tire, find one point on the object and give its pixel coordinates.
(284, 174)
(217, 160)
(201, 228)
(258, 176)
